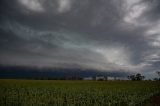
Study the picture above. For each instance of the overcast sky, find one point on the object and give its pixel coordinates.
(117, 35)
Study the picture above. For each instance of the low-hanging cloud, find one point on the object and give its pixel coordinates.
(102, 35)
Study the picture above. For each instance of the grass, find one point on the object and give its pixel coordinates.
(76, 93)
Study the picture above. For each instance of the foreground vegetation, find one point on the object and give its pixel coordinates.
(76, 93)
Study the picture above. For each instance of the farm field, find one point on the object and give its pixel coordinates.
(76, 93)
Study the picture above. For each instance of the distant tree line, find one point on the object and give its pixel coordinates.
(157, 79)
(136, 77)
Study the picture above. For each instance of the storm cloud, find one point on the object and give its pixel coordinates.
(117, 35)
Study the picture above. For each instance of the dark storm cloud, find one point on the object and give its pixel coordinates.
(103, 34)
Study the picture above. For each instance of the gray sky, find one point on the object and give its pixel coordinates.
(118, 35)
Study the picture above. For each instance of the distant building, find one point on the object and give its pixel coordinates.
(110, 78)
(104, 78)
(88, 78)
(100, 78)
(121, 78)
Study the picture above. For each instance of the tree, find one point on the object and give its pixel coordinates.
(137, 77)
(158, 72)
(155, 79)
(131, 77)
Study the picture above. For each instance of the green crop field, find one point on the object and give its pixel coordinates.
(76, 93)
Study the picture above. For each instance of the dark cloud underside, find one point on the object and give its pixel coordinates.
(103, 35)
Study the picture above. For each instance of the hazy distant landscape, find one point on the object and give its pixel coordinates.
(55, 73)
(79, 52)
(75, 87)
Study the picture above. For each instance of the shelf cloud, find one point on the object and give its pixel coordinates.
(106, 35)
